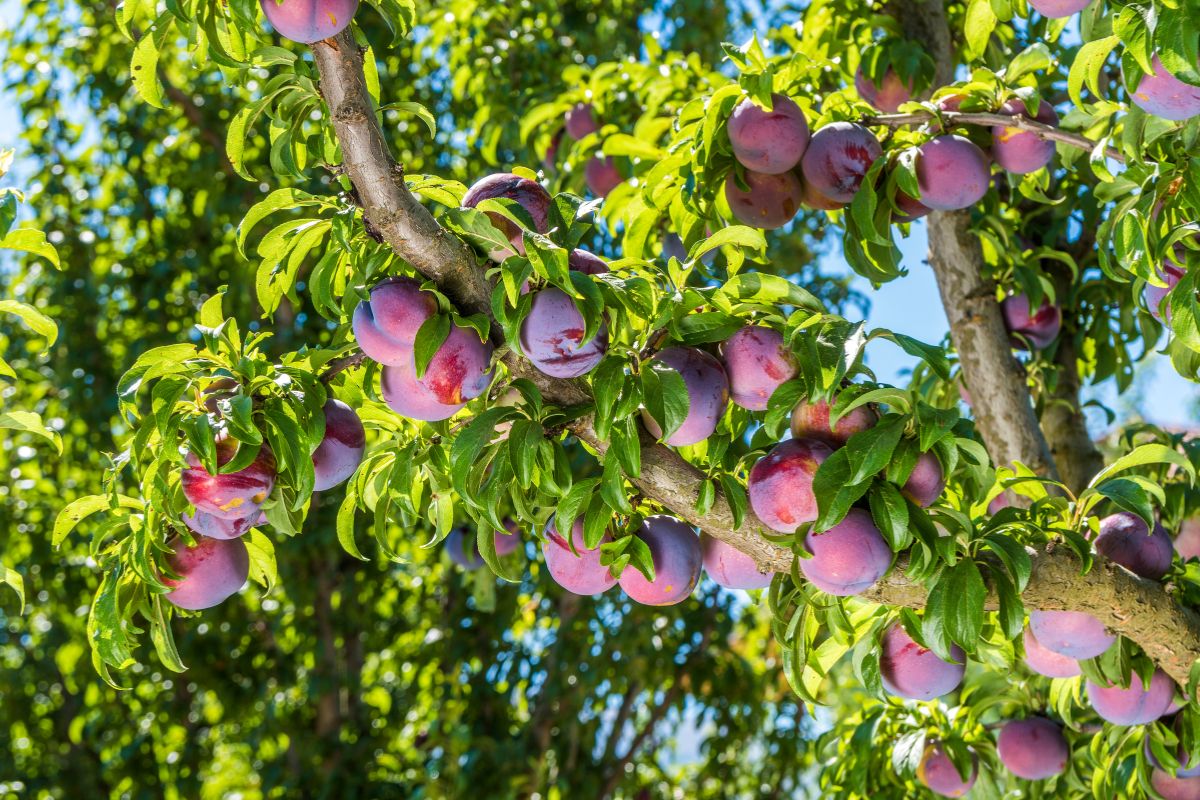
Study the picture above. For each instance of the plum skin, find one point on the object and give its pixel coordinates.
(458, 372)
(233, 495)
(602, 176)
(578, 572)
(1137, 705)
(552, 336)
(580, 121)
(1162, 94)
(463, 550)
(209, 573)
(1175, 788)
(1056, 9)
(757, 364)
(847, 559)
(1070, 633)
(1022, 152)
(1154, 295)
(675, 550)
(938, 773)
(1125, 539)
(708, 394)
(770, 142)
(780, 484)
(1033, 748)
(926, 482)
(341, 449)
(219, 528)
(730, 567)
(528, 194)
(810, 419)
(1040, 328)
(771, 201)
(1046, 662)
(909, 670)
(952, 173)
(837, 158)
(308, 21)
(887, 95)
(386, 323)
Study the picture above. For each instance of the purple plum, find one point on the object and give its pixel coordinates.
(675, 550)
(579, 572)
(341, 450)
(769, 142)
(952, 173)
(730, 567)
(838, 158)
(909, 670)
(1125, 539)
(780, 485)
(708, 394)
(1022, 152)
(1070, 633)
(1033, 748)
(771, 201)
(757, 364)
(1137, 705)
(848, 558)
(209, 573)
(386, 323)
(308, 21)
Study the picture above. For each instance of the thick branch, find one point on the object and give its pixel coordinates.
(1143, 611)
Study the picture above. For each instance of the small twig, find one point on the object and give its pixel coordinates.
(1048, 132)
(351, 361)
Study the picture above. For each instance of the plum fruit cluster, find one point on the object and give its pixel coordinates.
(227, 505)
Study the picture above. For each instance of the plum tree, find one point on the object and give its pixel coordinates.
(952, 173)
(780, 484)
(1057, 9)
(926, 482)
(909, 670)
(769, 202)
(707, 391)
(1162, 94)
(887, 93)
(308, 21)
(675, 551)
(1019, 151)
(810, 419)
(1046, 662)
(938, 773)
(1039, 329)
(208, 573)
(602, 175)
(341, 448)
(768, 142)
(458, 372)
(1170, 787)
(572, 565)
(552, 336)
(1070, 633)
(219, 528)
(848, 558)
(230, 495)
(730, 567)
(1136, 705)
(386, 323)
(527, 193)
(1171, 274)
(757, 363)
(580, 121)
(1033, 748)
(837, 159)
(1125, 539)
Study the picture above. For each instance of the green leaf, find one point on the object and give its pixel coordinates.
(15, 582)
(429, 339)
(77, 511)
(1087, 66)
(143, 67)
(32, 241)
(959, 596)
(834, 491)
(29, 422)
(977, 28)
(665, 395)
(38, 322)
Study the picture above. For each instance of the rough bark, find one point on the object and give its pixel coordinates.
(1143, 611)
(1000, 398)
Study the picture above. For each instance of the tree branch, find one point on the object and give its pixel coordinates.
(1142, 611)
(988, 120)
